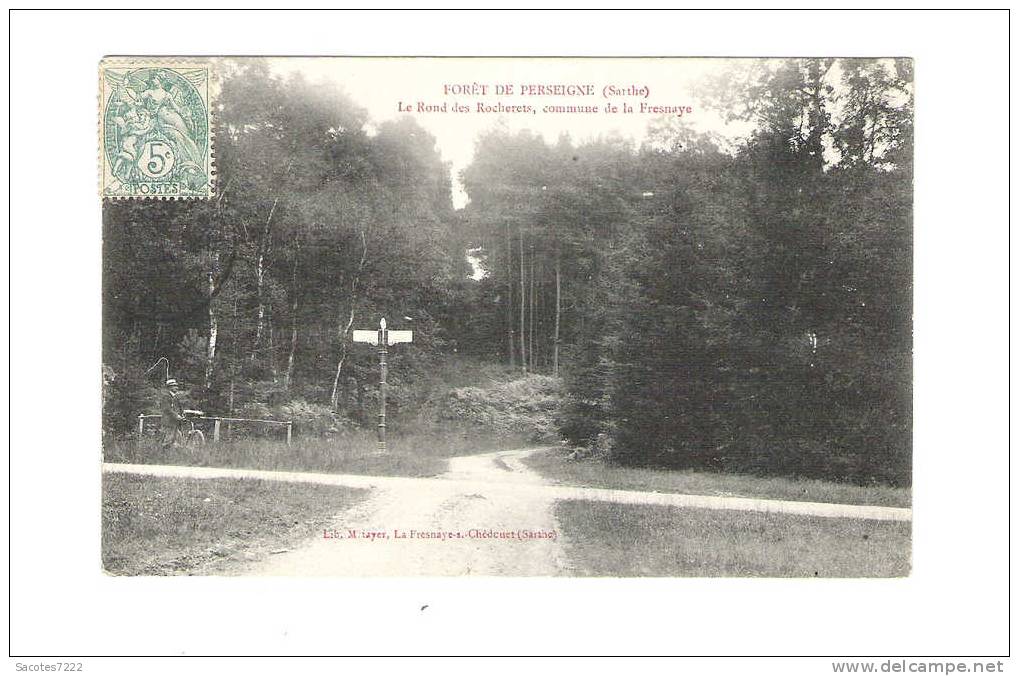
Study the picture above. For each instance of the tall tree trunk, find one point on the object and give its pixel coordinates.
(263, 252)
(233, 369)
(523, 307)
(334, 398)
(558, 313)
(541, 361)
(271, 348)
(530, 327)
(288, 376)
(511, 348)
(210, 350)
(817, 116)
(872, 137)
(344, 329)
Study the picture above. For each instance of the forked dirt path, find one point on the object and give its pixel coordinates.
(474, 523)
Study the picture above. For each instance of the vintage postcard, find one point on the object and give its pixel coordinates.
(507, 316)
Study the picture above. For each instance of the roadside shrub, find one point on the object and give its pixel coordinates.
(309, 419)
(315, 419)
(525, 407)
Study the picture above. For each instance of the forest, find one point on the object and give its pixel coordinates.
(693, 302)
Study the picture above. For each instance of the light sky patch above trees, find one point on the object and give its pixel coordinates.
(380, 84)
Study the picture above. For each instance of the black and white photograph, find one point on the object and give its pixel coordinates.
(511, 317)
(346, 336)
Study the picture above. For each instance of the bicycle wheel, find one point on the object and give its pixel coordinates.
(196, 439)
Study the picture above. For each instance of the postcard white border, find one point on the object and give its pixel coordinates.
(956, 600)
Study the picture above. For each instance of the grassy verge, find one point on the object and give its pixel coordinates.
(414, 455)
(554, 465)
(608, 539)
(154, 526)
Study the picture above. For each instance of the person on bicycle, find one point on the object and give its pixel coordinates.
(172, 410)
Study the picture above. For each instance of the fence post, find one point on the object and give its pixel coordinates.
(290, 429)
(141, 427)
(215, 431)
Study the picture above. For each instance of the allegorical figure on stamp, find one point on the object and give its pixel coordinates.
(172, 120)
(157, 131)
(133, 125)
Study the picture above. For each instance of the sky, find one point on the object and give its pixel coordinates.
(386, 87)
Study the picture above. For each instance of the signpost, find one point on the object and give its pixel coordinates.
(383, 338)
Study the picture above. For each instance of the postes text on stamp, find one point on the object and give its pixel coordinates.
(155, 130)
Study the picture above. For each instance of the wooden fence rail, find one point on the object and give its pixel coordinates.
(216, 421)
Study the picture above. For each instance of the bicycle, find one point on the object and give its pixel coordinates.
(189, 436)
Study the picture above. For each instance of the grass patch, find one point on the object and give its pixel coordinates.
(415, 455)
(157, 526)
(555, 466)
(610, 539)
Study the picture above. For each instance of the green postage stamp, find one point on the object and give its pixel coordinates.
(155, 129)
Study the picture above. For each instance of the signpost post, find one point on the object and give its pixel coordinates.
(383, 338)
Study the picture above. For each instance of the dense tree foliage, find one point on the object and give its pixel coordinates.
(318, 228)
(737, 308)
(746, 310)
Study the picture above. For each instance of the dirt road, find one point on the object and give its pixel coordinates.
(487, 473)
(457, 527)
(488, 515)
